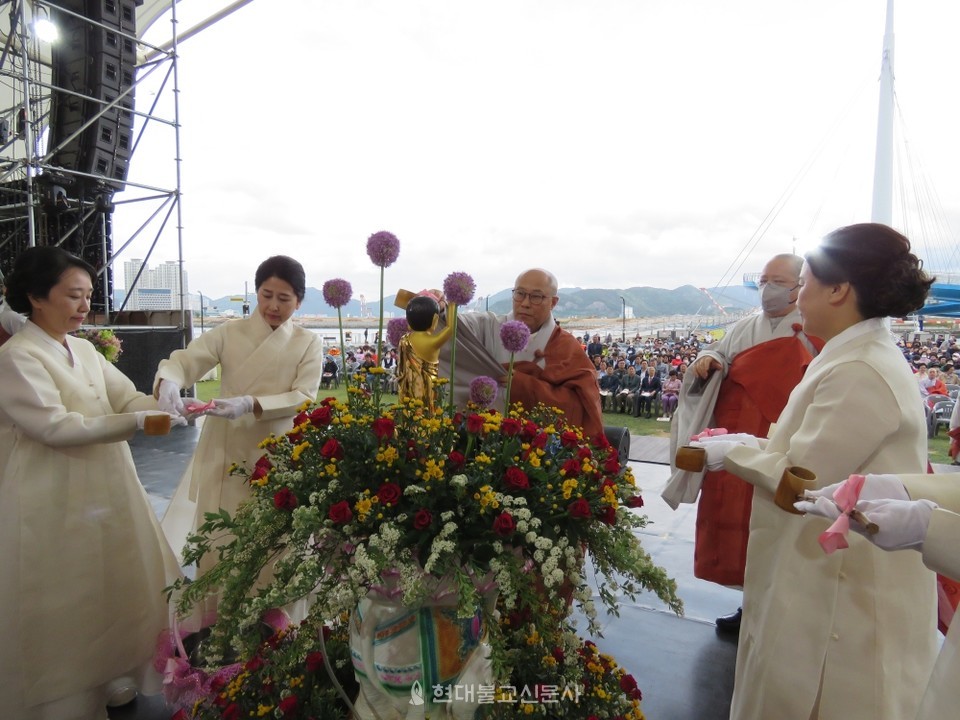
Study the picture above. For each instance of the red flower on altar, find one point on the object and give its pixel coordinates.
(629, 685)
(389, 493)
(341, 513)
(584, 453)
(539, 440)
(529, 431)
(503, 524)
(284, 499)
(475, 424)
(510, 426)
(457, 460)
(288, 706)
(422, 519)
(579, 508)
(571, 468)
(516, 479)
(383, 428)
(635, 502)
(315, 662)
(332, 450)
(321, 416)
(261, 469)
(569, 439)
(612, 465)
(231, 712)
(608, 515)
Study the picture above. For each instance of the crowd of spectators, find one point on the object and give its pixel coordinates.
(641, 376)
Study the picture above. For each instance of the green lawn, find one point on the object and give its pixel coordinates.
(638, 426)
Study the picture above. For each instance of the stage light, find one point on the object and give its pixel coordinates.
(45, 30)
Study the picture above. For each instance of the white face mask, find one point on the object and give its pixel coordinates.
(775, 299)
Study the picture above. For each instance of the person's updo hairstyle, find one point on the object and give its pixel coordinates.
(420, 312)
(286, 269)
(36, 271)
(876, 260)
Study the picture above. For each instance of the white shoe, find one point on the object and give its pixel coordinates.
(121, 691)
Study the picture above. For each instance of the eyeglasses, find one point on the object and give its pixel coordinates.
(534, 298)
(763, 283)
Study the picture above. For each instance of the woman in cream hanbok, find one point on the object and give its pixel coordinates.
(84, 559)
(269, 367)
(850, 635)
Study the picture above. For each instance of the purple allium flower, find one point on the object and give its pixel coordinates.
(514, 335)
(483, 390)
(337, 292)
(458, 288)
(396, 329)
(383, 248)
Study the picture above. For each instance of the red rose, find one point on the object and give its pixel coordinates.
(422, 520)
(510, 427)
(568, 438)
(608, 515)
(635, 502)
(474, 424)
(412, 452)
(261, 469)
(612, 465)
(332, 450)
(516, 479)
(540, 441)
(383, 428)
(288, 706)
(584, 453)
(558, 654)
(231, 712)
(571, 468)
(284, 499)
(389, 493)
(456, 460)
(529, 431)
(340, 513)
(321, 416)
(600, 441)
(300, 419)
(295, 437)
(579, 508)
(254, 664)
(629, 685)
(503, 524)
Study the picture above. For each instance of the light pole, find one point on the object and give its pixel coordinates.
(623, 329)
(201, 311)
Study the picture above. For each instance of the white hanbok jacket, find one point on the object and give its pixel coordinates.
(941, 553)
(84, 560)
(861, 623)
(280, 368)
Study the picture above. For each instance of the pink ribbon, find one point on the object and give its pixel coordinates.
(846, 497)
(709, 432)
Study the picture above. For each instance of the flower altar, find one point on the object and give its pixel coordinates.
(436, 557)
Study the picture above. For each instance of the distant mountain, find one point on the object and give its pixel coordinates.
(574, 302)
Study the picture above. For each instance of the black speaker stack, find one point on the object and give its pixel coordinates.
(93, 65)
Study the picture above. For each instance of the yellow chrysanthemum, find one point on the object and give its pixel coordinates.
(568, 487)
(298, 451)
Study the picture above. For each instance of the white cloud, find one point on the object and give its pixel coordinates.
(618, 144)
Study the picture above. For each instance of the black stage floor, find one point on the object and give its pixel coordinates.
(683, 666)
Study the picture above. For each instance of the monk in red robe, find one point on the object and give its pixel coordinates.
(740, 383)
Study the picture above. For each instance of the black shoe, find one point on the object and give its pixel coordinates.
(730, 623)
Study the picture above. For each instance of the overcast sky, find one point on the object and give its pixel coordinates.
(615, 142)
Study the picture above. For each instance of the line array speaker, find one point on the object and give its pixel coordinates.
(93, 64)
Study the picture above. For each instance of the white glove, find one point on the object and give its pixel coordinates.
(903, 523)
(718, 446)
(232, 408)
(168, 398)
(875, 487)
(175, 420)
